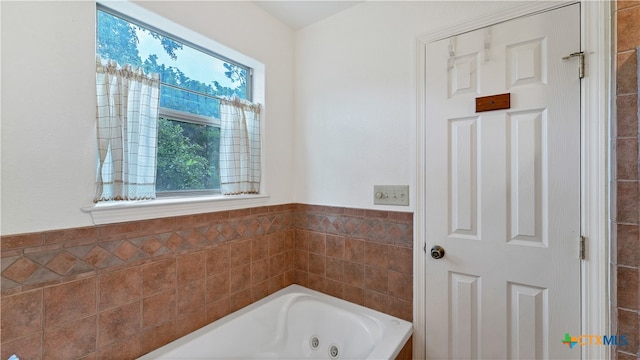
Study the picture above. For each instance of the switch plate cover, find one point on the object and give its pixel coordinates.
(391, 195)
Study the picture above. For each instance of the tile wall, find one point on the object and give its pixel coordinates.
(119, 291)
(625, 195)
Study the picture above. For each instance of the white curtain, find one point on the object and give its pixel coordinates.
(239, 147)
(127, 121)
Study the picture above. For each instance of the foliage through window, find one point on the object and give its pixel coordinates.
(192, 81)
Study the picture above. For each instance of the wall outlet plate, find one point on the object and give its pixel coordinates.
(391, 195)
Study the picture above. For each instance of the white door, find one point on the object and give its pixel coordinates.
(503, 191)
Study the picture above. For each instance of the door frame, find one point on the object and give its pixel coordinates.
(595, 99)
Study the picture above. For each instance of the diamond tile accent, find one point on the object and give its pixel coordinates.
(21, 270)
(96, 256)
(151, 246)
(62, 263)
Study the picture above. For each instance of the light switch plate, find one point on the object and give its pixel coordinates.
(391, 195)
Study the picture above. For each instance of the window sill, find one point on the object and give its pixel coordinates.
(108, 213)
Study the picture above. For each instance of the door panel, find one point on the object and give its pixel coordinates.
(503, 191)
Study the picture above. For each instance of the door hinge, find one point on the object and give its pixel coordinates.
(583, 247)
(580, 55)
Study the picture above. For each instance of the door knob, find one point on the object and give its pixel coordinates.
(437, 252)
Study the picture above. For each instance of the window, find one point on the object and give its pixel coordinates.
(192, 81)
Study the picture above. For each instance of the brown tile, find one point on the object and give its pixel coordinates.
(70, 301)
(218, 259)
(354, 274)
(628, 202)
(627, 115)
(259, 290)
(278, 264)
(159, 309)
(301, 260)
(97, 256)
(191, 267)
(21, 315)
(628, 240)
(276, 283)
(119, 287)
(627, 76)
(627, 290)
(376, 255)
(28, 347)
(354, 250)
(317, 264)
(21, 241)
(240, 278)
(375, 279)
(217, 286)
(317, 283)
(240, 299)
(628, 325)
(335, 246)
(400, 285)
(191, 297)
(71, 340)
(301, 240)
(317, 243)
(241, 253)
(259, 248)
(119, 323)
(335, 269)
(158, 276)
(400, 308)
(621, 4)
(218, 309)
(401, 259)
(259, 271)
(150, 245)
(627, 158)
(628, 31)
(301, 278)
(624, 356)
(21, 270)
(119, 229)
(126, 251)
(376, 301)
(354, 294)
(334, 288)
(276, 244)
(66, 235)
(154, 338)
(62, 263)
(190, 323)
(129, 348)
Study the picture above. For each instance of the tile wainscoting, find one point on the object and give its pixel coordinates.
(625, 187)
(118, 291)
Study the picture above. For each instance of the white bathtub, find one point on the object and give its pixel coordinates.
(294, 323)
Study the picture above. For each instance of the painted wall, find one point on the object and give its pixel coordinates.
(355, 98)
(48, 102)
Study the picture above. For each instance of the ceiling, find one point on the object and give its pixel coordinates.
(298, 14)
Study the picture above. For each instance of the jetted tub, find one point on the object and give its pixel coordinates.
(294, 323)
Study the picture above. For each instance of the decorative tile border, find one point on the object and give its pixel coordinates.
(34, 260)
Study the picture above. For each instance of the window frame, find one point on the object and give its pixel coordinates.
(177, 115)
(183, 203)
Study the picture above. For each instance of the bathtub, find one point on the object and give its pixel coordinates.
(294, 323)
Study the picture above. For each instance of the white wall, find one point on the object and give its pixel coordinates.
(355, 98)
(48, 102)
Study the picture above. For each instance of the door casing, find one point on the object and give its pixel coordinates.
(595, 123)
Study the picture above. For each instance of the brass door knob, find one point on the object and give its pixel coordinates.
(437, 252)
